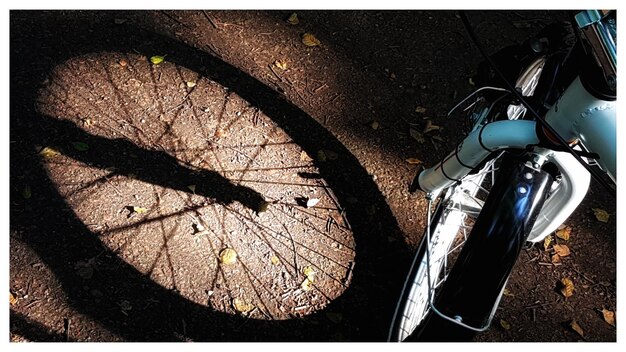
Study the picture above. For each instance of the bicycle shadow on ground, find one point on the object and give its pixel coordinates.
(41, 40)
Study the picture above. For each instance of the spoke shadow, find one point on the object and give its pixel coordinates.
(42, 40)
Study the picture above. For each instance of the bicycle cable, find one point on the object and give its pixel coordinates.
(540, 119)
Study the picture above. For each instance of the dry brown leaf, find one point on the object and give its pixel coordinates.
(430, 126)
(555, 259)
(321, 156)
(293, 19)
(561, 249)
(123, 62)
(281, 64)
(414, 161)
(374, 125)
(546, 242)
(219, 133)
(309, 39)
(420, 109)
(609, 316)
(601, 214)
(564, 233)
(48, 152)
(505, 324)
(12, 299)
(242, 306)
(506, 292)
(228, 256)
(574, 325)
(418, 136)
(567, 287)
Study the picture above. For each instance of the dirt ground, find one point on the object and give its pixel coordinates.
(134, 183)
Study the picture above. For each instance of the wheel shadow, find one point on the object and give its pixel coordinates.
(40, 41)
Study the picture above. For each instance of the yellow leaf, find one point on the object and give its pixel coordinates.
(280, 64)
(309, 39)
(309, 273)
(471, 82)
(561, 249)
(157, 59)
(263, 206)
(321, 156)
(228, 256)
(574, 325)
(505, 324)
(546, 242)
(413, 161)
(293, 19)
(556, 259)
(567, 287)
(609, 316)
(601, 214)
(242, 306)
(506, 292)
(374, 125)
(306, 285)
(48, 152)
(274, 259)
(191, 84)
(140, 210)
(564, 233)
(12, 299)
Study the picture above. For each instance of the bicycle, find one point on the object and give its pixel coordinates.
(522, 169)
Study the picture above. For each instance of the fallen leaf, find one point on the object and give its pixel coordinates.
(414, 161)
(281, 64)
(505, 324)
(293, 19)
(430, 126)
(567, 287)
(27, 192)
(157, 59)
(418, 136)
(125, 305)
(334, 317)
(48, 152)
(609, 316)
(374, 125)
(84, 270)
(263, 206)
(192, 188)
(312, 202)
(420, 109)
(506, 292)
(574, 325)
(309, 273)
(228, 256)
(219, 133)
(309, 39)
(546, 242)
(555, 259)
(305, 157)
(471, 82)
(306, 285)
(191, 84)
(123, 62)
(561, 249)
(274, 259)
(80, 146)
(139, 210)
(119, 20)
(331, 155)
(321, 156)
(12, 299)
(242, 306)
(601, 214)
(521, 24)
(564, 233)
